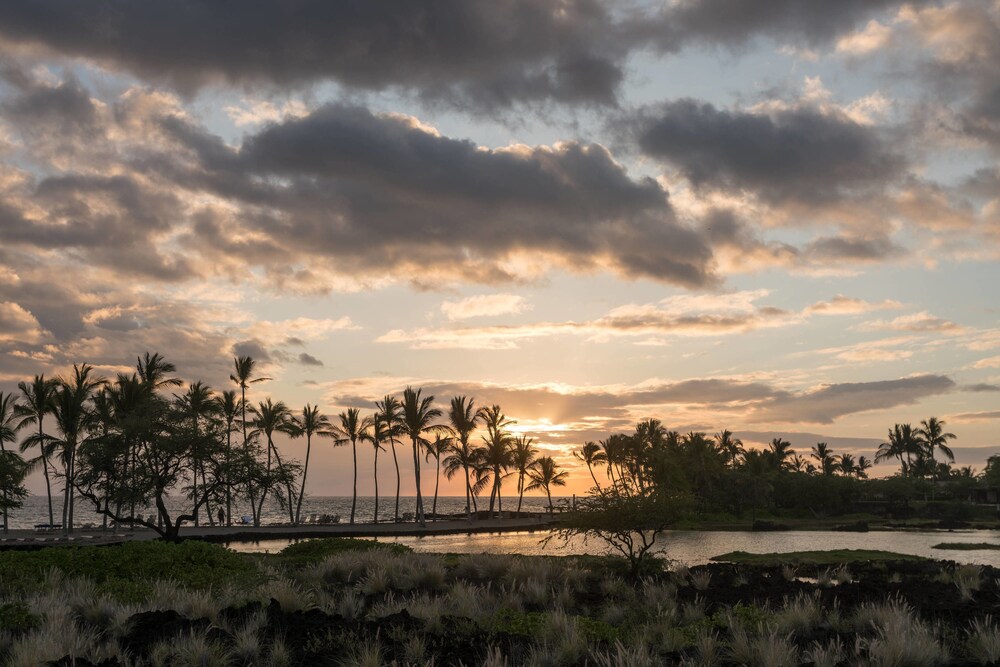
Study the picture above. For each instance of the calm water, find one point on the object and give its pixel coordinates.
(697, 547)
(36, 511)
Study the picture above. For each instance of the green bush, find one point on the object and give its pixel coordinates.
(313, 551)
(125, 570)
(16, 619)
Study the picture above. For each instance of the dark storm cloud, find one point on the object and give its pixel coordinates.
(380, 191)
(732, 23)
(827, 404)
(490, 51)
(794, 154)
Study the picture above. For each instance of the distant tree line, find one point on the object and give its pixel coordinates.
(134, 442)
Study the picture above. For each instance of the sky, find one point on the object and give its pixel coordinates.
(779, 217)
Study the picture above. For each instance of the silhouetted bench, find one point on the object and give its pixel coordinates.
(47, 527)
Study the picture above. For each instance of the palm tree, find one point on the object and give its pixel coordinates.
(799, 464)
(388, 412)
(592, 454)
(73, 417)
(382, 431)
(730, 447)
(38, 396)
(901, 443)
(847, 465)
(353, 428)
(860, 470)
(197, 404)
(244, 368)
(495, 451)
(439, 446)
(228, 407)
(153, 370)
(821, 452)
(544, 475)
(417, 418)
(463, 418)
(309, 424)
(522, 458)
(10, 423)
(780, 451)
(270, 418)
(931, 432)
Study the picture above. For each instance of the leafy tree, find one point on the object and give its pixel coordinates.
(73, 418)
(197, 405)
(270, 418)
(12, 468)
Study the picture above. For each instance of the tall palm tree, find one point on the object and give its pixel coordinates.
(730, 447)
(353, 428)
(270, 418)
(463, 417)
(544, 475)
(228, 408)
(244, 368)
(495, 451)
(382, 431)
(901, 443)
(153, 370)
(417, 418)
(310, 423)
(824, 456)
(931, 432)
(847, 465)
(197, 404)
(592, 454)
(862, 467)
(780, 451)
(435, 449)
(73, 418)
(11, 421)
(523, 459)
(38, 396)
(389, 413)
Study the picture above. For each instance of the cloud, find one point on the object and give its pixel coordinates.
(967, 417)
(308, 360)
(844, 305)
(873, 37)
(299, 329)
(485, 305)
(887, 349)
(988, 362)
(797, 153)
(17, 324)
(480, 51)
(981, 387)
(828, 403)
(922, 322)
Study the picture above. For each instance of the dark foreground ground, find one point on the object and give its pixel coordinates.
(350, 602)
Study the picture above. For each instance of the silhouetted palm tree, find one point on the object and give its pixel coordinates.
(901, 444)
(730, 447)
(310, 423)
(592, 454)
(417, 418)
(11, 420)
(544, 475)
(270, 418)
(228, 408)
(495, 451)
(435, 449)
(463, 418)
(389, 413)
(847, 465)
(73, 418)
(862, 467)
(931, 432)
(382, 432)
(780, 452)
(351, 429)
(821, 452)
(197, 404)
(38, 396)
(522, 456)
(153, 370)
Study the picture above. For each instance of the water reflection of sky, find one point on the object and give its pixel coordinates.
(695, 547)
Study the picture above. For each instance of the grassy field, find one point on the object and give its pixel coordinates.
(357, 602)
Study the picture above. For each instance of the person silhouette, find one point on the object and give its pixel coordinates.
(222, 516)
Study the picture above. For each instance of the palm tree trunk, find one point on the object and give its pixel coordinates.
(229, 474)
(416, 476)
(45, 467)
(392, 443)
(468, 488)
(437, 483)
(549, 494)
(520, 491)
(376, 482)
(305, 471)
(354, 496)
(593, 476)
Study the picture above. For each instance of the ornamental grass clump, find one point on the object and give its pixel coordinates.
(982, 643)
